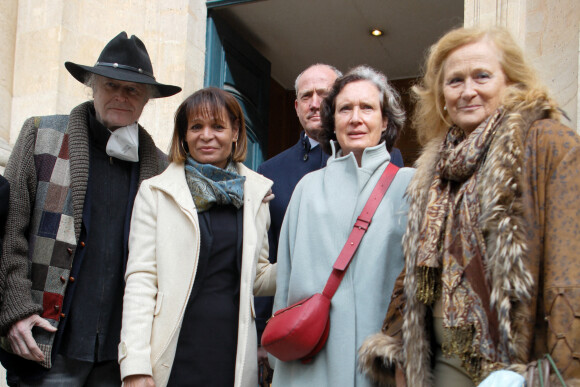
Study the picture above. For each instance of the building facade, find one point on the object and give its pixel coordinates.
(38, 36)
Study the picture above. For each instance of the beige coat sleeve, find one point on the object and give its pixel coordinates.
(265, 283)
(141, 287)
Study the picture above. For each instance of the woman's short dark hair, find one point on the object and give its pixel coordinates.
(390, 106)
(208, 102)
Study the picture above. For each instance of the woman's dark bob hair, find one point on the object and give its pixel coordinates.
(390, 107)
(208, 102)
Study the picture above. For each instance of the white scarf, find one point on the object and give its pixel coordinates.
(124, 143)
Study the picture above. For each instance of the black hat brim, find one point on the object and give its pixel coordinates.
(80, 73)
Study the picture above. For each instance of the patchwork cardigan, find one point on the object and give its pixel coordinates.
(48, 171)
(530, 216)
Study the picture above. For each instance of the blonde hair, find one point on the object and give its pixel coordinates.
(208, 102)
(524, 88)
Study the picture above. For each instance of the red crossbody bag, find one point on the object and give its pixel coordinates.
(300, 331)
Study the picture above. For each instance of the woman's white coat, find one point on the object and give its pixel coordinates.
(163, 257)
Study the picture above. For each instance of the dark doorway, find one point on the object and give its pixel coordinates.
(235, 66)
(295, 34)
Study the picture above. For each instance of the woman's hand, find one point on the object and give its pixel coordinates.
(269, 196)
(400, 377)
(138, 381)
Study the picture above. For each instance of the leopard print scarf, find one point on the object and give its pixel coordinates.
(452, 248)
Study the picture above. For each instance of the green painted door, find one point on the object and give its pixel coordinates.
(234, 65)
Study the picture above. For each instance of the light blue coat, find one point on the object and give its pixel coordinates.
(319, 219)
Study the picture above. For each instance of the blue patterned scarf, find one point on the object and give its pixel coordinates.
(211, 185)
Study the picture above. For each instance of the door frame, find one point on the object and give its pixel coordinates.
(210, 4)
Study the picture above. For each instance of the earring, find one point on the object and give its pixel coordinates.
(445, 108)
(186, 151)
(235, 147)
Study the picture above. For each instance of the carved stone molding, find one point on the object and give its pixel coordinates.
(510, 14)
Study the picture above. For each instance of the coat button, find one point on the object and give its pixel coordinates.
(56, 307)
(82, 244)
(69, 250)
(62, 279)
(62, 315)
(71, 279)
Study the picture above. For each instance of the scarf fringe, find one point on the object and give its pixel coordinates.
(458, 341)
(429, 284)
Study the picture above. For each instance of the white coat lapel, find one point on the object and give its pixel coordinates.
(173, 184)
(255, 188)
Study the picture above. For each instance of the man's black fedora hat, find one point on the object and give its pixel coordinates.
(124, 59)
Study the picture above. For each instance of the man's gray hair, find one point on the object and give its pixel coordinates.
(336, 71)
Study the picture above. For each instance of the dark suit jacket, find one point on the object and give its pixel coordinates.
(285, 170)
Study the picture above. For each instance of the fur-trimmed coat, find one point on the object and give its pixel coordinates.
(530, 216)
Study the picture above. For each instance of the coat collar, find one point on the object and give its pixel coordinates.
(255, 187)
(173, 183)
(371, 158)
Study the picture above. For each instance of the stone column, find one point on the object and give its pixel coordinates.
(510, 14)
(8, 24)
(549, 33)
(552, 45)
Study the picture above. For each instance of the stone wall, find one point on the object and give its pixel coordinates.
(38, 36)
(42, 34)
(8, 23)
(553, 46)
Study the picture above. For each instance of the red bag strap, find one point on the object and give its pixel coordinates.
(360, 227)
